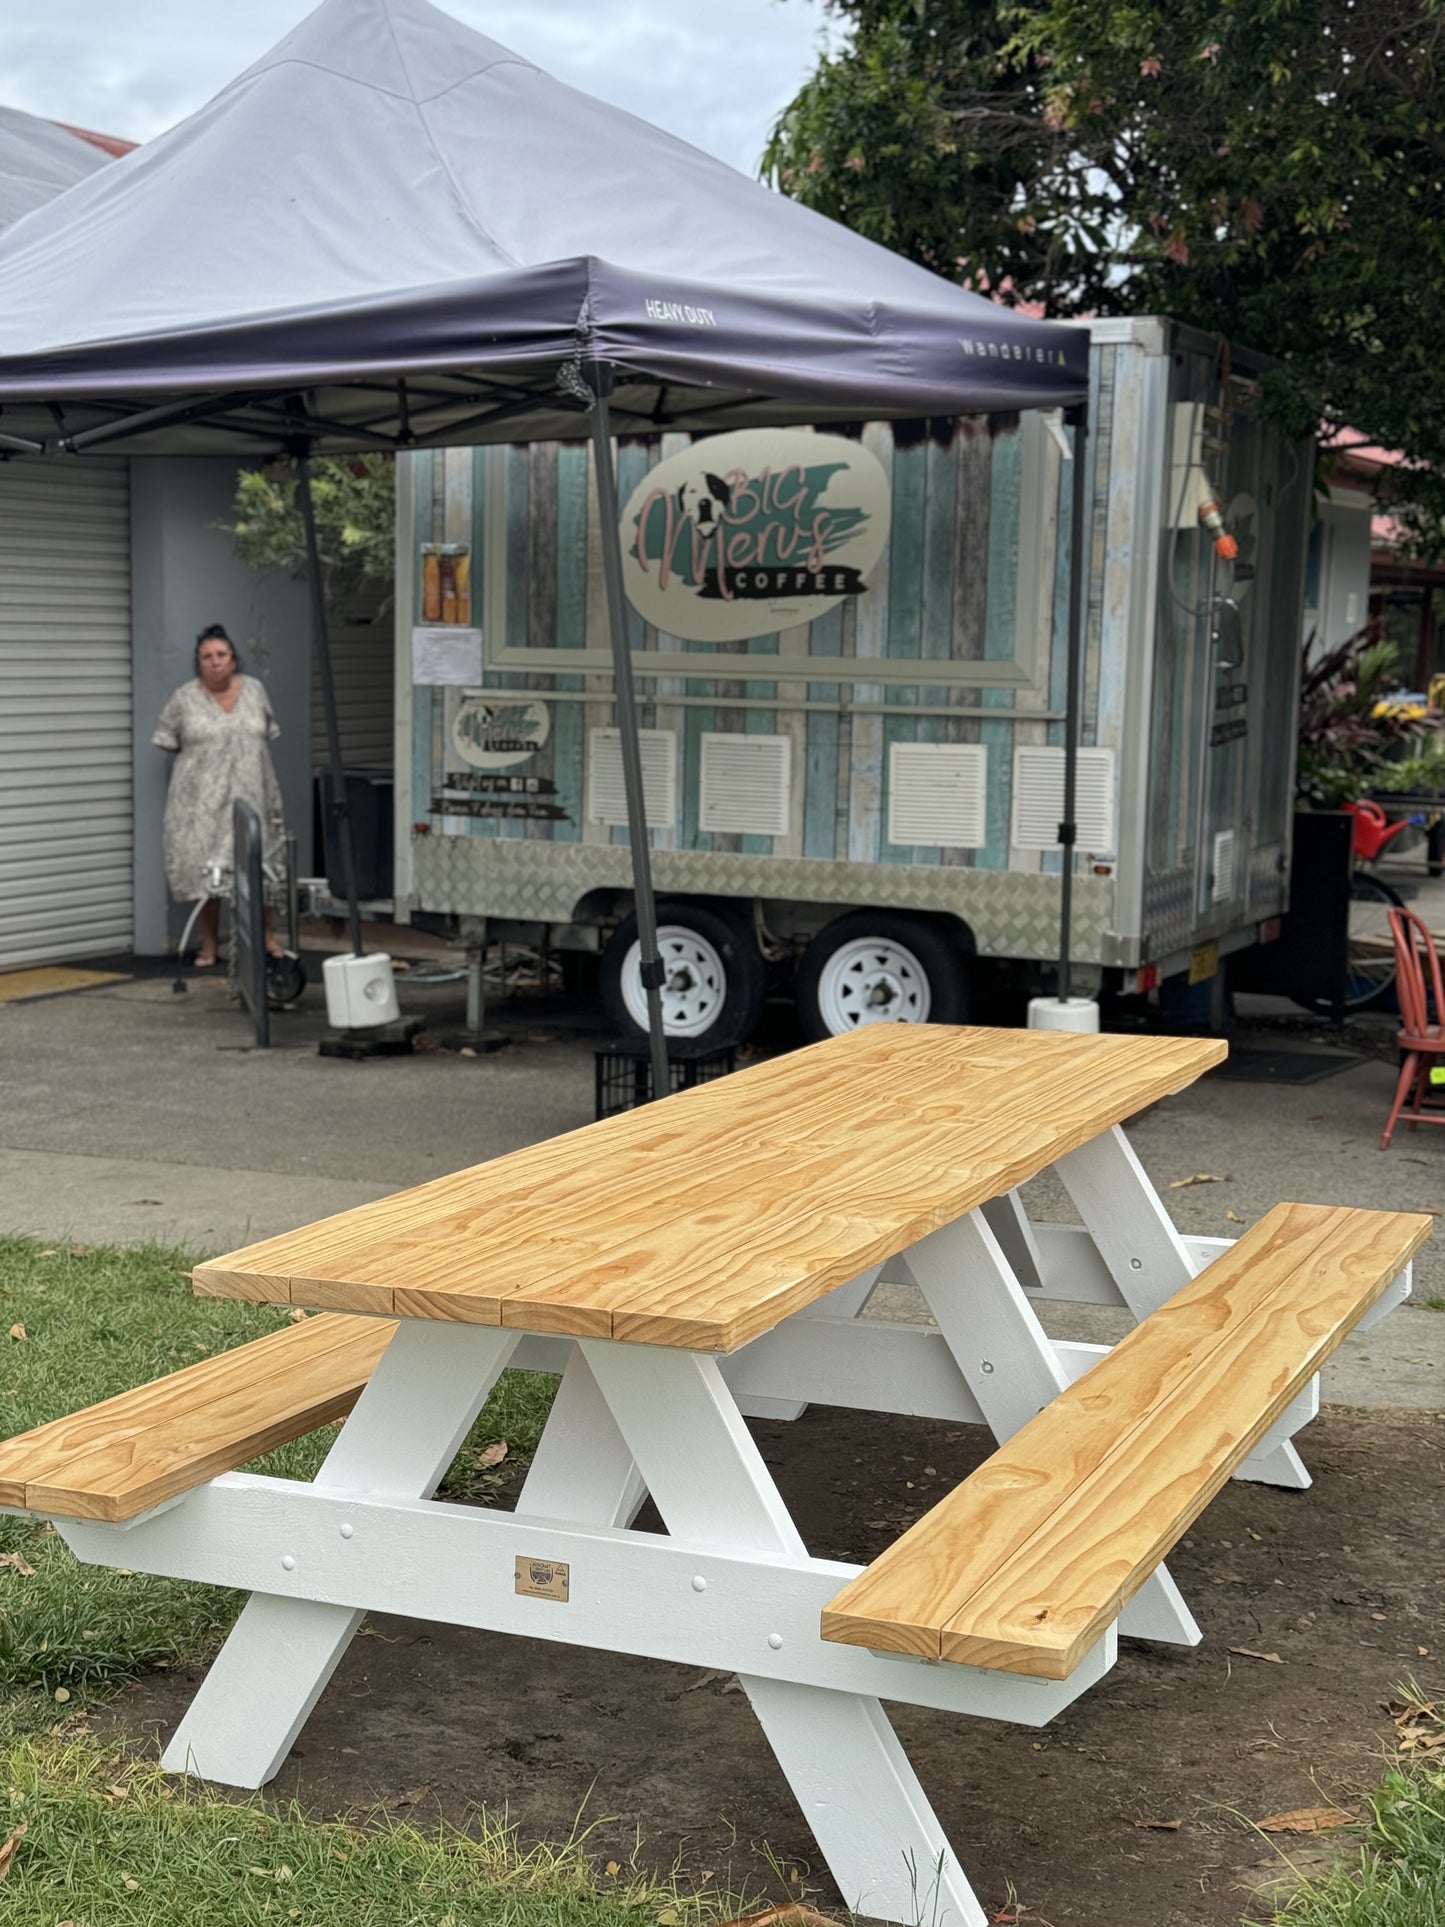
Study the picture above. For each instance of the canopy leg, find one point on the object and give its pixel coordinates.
(339, 801)
(598, 376)
(1073, 697)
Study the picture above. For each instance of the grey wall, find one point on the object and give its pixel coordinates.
(185, 575)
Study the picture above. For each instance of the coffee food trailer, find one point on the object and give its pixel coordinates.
(850, 646)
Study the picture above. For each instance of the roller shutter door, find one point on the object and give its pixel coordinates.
(66, 816)
(362, 645)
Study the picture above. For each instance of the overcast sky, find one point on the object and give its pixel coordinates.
(714, 71)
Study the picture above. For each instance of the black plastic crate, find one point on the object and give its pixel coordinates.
(624, 1073)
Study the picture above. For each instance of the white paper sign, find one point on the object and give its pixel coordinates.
(448, 654)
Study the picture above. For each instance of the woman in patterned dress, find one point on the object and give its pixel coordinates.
(220, 726)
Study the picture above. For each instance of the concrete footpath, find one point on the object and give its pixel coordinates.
(128, 1112)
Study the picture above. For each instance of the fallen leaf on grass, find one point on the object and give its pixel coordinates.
(1161, 1826)
(1419, 1724)
(493, 1454)
(1200, 1177)
(612, 1867)
(8, 1848)
(1306, 1820)
(792, 1913)
(17, 1564)
(130, 1883)
(19, 1333)
(1248, 1652)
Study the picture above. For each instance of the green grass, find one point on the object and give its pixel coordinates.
(1435, 1304)
(112, 1842)
(1396, 1874)
(101, 1321)
(107, 1838)
(1397, 1878)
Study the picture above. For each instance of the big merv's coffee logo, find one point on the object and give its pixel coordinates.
(746, 533)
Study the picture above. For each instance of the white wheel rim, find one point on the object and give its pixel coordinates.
(873, 980)
(695, 984)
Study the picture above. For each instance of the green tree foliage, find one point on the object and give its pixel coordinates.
(1270, 169)
(355, 501)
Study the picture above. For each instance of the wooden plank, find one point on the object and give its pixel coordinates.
(704, 1220)
(1025, 1563)
(114, 1460)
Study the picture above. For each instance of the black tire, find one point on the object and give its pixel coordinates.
(285, 979)
(736, 1002)
(941, 959)
(1371, 980)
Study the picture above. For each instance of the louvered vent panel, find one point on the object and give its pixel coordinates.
(1038, 800)
(1223, 890)
(606, 795)
(938, 795)
(745, 782)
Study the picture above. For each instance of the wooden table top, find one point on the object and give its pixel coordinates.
(705, 1220)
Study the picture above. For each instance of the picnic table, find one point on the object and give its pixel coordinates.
(681, 1266)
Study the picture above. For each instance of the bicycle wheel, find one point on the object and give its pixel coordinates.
(1370, 958)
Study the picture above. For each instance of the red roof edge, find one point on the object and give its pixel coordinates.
(112, 143)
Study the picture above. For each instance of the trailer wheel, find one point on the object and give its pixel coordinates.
(873, 967)
(716, 977)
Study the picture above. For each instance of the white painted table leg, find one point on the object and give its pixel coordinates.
(1011, 1368)
(1009, 1223)
(1148, 1259)
(1136, 1237)
(403, 1433)
(582, 1469)
(1281, 1465)
(846, 1302)
(871, 1818)
(258, 1694)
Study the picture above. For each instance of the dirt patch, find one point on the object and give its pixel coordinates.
(1344, 1583)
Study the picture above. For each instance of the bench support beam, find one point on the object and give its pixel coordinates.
(631, 1592)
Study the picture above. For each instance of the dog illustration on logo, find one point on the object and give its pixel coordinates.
(701, 501)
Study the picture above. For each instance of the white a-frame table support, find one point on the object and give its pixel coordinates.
(731, 1585)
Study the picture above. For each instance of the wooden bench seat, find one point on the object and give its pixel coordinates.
(117, 1459)
(1023, 1566)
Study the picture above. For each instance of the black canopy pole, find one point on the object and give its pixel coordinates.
(598, 376)
(322, 639)
(1078, 418)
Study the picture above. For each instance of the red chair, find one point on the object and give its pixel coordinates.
(1421, 1039)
